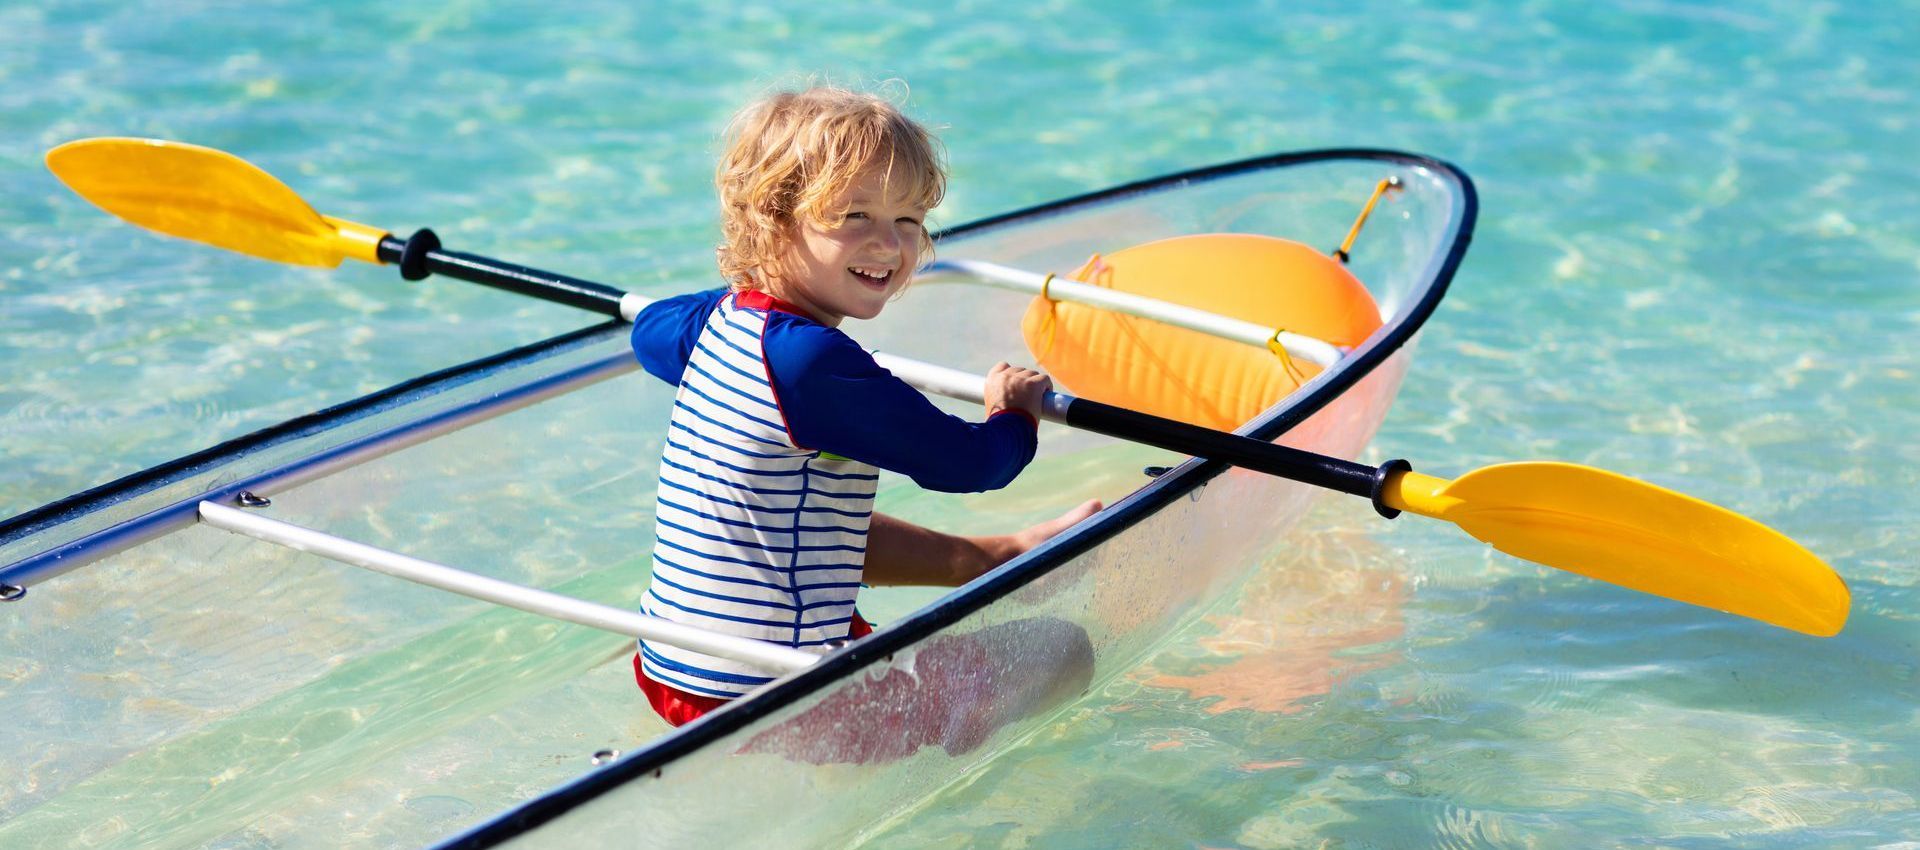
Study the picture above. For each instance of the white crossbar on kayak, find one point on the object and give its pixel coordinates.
(767, 656)
(1307, 348)
(960, 385)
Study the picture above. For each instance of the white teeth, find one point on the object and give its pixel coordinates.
(873, 275)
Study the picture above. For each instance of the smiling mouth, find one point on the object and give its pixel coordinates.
(878, 279)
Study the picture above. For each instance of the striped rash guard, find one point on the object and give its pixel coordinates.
(767, 479)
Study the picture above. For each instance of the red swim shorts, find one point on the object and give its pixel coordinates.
(679, 707)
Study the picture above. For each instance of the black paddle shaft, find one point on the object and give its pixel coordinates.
(419, 256)
(1293, 464)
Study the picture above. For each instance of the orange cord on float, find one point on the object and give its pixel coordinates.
(1346, 245)
(1046, 346)
(1286, 360)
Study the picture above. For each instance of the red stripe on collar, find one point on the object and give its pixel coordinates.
(755, 299)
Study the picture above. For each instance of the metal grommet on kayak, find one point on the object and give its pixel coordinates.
(413, 258)
(1380, 476)
(12, 593)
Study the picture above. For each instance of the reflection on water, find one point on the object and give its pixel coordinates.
(1294, 633)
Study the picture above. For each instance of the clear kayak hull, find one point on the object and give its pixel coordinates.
(178, 686)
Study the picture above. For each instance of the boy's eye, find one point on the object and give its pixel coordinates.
(854, 215)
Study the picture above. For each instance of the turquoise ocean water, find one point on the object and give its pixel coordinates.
(1698, 262)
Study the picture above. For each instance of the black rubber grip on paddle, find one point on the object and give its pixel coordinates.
(1380, 476)
(413, 255)
(1357, 479)
(420, 254)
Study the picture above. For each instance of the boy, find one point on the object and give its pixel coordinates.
(765, 527)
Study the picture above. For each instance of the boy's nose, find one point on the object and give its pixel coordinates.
(888, 238)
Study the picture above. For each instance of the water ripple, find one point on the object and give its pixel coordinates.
(1695, 264)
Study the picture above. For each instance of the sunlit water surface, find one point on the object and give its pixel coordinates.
(1698, 261)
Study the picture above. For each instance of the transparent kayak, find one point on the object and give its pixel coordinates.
(173, 685)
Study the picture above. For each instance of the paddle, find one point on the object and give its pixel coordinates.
(1584, 520)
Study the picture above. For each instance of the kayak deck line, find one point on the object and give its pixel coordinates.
(1054, 287)
(768, 656)
(129, 533)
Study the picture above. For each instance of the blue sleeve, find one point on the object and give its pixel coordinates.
(665, 331)
(837, 399)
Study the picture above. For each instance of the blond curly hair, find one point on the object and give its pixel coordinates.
(794, 153)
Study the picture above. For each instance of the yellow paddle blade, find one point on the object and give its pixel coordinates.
(208, 196)
(1634, 534)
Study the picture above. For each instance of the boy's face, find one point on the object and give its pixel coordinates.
(852, 267)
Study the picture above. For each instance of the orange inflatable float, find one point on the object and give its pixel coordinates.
(1187, 375)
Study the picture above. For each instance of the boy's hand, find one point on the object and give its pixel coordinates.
(1016, 388)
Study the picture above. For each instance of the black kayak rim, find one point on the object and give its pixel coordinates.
(1016, 574)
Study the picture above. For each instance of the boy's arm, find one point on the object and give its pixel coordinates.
(836, 399)
(902, 553)
(665, 331)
